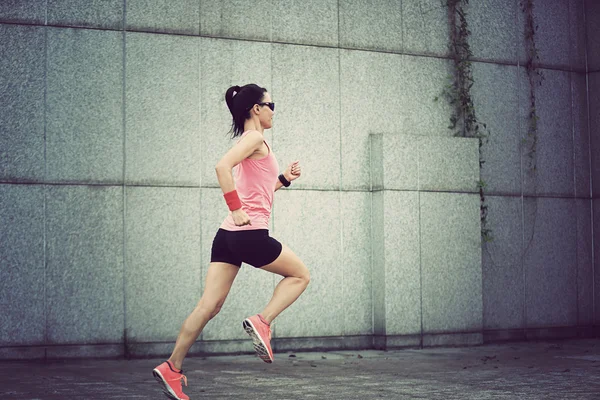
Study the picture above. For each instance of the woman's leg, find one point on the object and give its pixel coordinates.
(295, 279)
(219, 279)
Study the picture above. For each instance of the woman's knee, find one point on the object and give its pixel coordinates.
(209, 308)
(304, 275)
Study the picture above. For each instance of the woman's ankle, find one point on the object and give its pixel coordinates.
(176, 364)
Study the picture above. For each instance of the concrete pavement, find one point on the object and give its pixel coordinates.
(567, 369)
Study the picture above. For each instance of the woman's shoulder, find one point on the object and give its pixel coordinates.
(254, 135)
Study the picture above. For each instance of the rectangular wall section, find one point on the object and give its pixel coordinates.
(592, 19)
(84, 271)
(403, 162)
(22, 99)
(426, 240)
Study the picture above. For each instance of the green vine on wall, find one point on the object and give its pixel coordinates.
(535, 76)
(463, 120)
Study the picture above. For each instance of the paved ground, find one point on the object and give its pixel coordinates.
(525, 370)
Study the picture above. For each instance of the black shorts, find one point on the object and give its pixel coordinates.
(254, 247)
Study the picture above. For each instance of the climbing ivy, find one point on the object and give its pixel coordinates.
(535, 77)
(463, 119)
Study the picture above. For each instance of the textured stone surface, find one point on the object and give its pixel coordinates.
(163, 109)
(502, 269)
(577, 39)
(222, 19)
(596, 259)
(162, 276)
(501, 150)
(550, 261)
(594, 107)
(84, 264)
(97, 13)
(404, 162)
(400, 155)
(252, 288)
(23, 11)
(371, 103)
(581, 135)
(376, 161)
(180, 16)
(84, 351)
(22, 320)
(371, 25)
(450, 262)
(494, 30)
(356, 263)
(309, 223)
(312, 22)
(306, 82)
(84, 134)
(585, 266)
(552, 39)
(554, 148)
(452, 339)
(449, 164)
(386, 93)
(22, 99)
(402, 236)
(22, 353)
(425, 27)
(592, 18)
(378, 264)
(422, 82)
(221, 70)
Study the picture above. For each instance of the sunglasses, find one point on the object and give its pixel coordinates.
(271, 105)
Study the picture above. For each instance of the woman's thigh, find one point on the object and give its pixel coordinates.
(288, 264)
(219, 278)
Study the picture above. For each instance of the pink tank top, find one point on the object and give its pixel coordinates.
(255, 181)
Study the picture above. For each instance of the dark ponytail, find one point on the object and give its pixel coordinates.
(240, 100)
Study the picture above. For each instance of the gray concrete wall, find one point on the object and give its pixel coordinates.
(592, 14)
(113, 119)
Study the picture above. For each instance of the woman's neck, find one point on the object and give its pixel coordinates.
(253, 125)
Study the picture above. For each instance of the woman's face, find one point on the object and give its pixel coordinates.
(265, 115)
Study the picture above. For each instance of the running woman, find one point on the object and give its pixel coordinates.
(243, 236)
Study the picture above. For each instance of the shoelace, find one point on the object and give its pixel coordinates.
(180, 378)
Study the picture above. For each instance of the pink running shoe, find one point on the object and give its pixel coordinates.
(170, 380)
(260, 332)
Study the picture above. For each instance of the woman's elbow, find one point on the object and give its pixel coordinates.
(220, 167)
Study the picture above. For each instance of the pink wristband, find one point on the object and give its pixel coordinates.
(233, 201)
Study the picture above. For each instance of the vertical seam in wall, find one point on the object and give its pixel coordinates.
(571, 40)
(589, 128)
(520, 130)
(339, 56)
(371, 258)
(124, 190)
(401, 27)
(420, 236)
(45, 189)
(575, 200)
(372, 243)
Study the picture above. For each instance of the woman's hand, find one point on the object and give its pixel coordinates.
(240, 218)
(293, 171)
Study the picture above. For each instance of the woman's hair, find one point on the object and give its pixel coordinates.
(240, 100)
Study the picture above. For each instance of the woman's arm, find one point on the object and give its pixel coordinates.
(246, 146)
(278, 185)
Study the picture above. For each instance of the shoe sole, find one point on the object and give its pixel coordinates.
(165, 386)
(259, 345)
